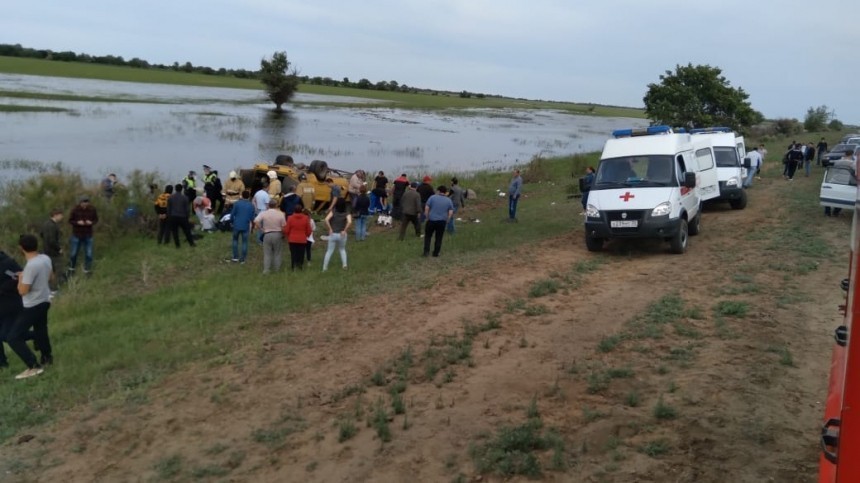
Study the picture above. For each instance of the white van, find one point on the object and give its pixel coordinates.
(650, 183)
(729, 150)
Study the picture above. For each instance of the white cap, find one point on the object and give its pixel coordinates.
(272, 174)
(232, 174)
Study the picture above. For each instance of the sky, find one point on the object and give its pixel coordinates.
(788, 55)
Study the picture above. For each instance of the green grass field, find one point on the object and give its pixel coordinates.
(150, 309)
(16, 65)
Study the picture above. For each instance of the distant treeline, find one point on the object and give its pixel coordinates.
(17, 50)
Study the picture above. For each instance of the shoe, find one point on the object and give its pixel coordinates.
(241, 262)
(345, 267)
(425, 254)
(35, 371)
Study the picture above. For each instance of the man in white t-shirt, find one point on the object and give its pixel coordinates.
(755, 162)
(33, 285)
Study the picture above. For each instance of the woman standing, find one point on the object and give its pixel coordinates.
(296, 231)
(338, 222)
(361, 209)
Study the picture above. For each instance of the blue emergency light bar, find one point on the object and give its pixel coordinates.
(703, 130)
(649, 131)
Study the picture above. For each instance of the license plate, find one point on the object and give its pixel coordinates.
(624, 223)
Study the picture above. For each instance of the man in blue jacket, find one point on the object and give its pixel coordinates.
(242, 215)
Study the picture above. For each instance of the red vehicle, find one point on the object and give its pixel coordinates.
(840, 432)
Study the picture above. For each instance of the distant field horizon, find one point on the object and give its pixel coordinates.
(406, 100)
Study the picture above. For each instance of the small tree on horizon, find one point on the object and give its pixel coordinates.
(280, 81)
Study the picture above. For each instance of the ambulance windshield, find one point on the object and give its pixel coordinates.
(727, 157)
(648, 170)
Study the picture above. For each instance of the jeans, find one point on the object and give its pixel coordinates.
(750, 175)
(87, 244)
(236, 235)
(273, 249)
(361, 227)
(437, 229)
(835, 212)
(35, 318)
(807, 166)
(791, 168)
(407, 219)
(335, 240)
(512, 206)
(163, 231)
(308, 247)
(450, 227)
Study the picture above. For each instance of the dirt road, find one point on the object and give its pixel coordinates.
(638, 365)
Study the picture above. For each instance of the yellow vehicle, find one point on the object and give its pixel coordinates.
(309, 180)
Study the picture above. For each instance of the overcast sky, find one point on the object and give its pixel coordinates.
(788, 55)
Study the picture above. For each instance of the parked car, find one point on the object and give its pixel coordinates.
(850, 139)
(838, 152)
(839, 186)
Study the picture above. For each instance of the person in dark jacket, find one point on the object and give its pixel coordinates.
(178, 208)
(161, 212)
(50, 234)
(401, 184)
(425, 190)
(213, 188)
(82, 218)
(361, 213)
(411, 210)
(794, 158)
(10, 300)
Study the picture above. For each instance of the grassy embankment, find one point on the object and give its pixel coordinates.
(403, 100)
(149, 309)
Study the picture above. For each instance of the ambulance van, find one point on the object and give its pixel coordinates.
(650, 183)
(729, 151)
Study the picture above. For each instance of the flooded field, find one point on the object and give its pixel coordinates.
(172, 129)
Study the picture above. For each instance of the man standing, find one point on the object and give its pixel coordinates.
(755, 162)
(822, 148)
(274, 188)
(794, 158)
(271, 223)
(50, 234)
(212, 187)
(35, 297)
(306, 191)
(763, 152)
(242, 215)
(82, 218)
(10, 300)
(261, 201)
(808, 157)
(189, 185)
(233, 189)
(401, 184)
(177, 216)
(410, 207)
(109, 186)
(458, 197)
(514, 191)
(438, 210)
(425, 189)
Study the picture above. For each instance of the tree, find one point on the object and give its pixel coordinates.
(816, 118)
(698, 96)
(281, 82)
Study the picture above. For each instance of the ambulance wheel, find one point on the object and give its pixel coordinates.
(739, 203)
(695, 226)
(593, 244)
(678, 243)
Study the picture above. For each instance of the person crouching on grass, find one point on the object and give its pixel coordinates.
(36, 299)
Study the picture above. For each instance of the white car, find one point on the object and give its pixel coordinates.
(839, 187)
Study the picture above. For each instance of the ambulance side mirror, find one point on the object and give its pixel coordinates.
(689, 180)
(747, 163)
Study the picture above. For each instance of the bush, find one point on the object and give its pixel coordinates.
(835, 125)
(787, 127)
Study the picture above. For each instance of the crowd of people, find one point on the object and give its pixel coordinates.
(267, 212)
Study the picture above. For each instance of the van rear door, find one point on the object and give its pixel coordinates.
(708, 184)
